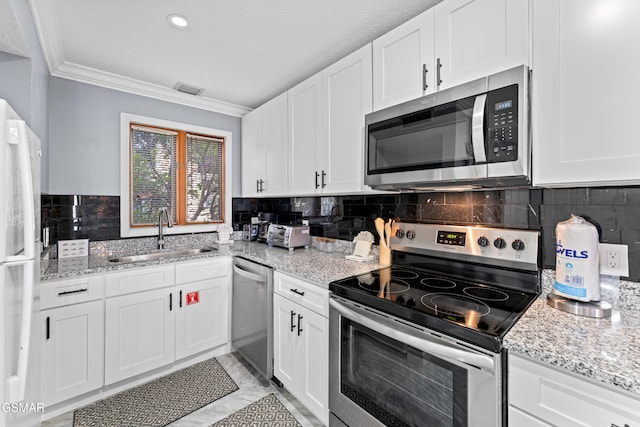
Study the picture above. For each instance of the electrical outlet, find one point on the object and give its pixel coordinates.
(614, 260)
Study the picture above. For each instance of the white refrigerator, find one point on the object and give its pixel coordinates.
(19, 272)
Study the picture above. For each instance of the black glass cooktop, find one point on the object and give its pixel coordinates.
(476, 311)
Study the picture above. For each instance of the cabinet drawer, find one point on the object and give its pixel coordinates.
(192, 271)
(563, 399)
(60, 292)
(307, 294)
(139, 279)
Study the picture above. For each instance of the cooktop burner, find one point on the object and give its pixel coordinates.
(474, 305)
(476, 301)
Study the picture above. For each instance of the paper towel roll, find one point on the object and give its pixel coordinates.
(577, 260)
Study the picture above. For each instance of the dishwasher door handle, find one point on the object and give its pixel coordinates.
(249, 275)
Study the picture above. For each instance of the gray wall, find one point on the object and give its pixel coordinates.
(84, 135)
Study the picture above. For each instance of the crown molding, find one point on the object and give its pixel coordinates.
(104, 79)
(51, 43)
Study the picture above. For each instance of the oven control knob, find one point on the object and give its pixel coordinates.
(483, 241)
(411, 234)
(518, 245)
(500, 243)
(400, 233)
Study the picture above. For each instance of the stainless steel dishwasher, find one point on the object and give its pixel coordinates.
(252, 314)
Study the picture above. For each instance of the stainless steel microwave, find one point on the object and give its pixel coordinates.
(472, 135)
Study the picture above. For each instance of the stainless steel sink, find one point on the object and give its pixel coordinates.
(161, 255)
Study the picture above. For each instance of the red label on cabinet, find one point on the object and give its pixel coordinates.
(193, 298)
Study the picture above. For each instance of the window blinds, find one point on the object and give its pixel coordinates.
(205, 178)
(153, 173)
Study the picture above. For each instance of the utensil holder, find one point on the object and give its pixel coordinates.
(385, 256)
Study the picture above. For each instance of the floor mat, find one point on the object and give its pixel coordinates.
(266, 412)
(160, 401)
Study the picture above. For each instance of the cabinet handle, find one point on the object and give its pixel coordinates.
(299, 328)
(293, 314)
(296, 291)
(317, 176)
(77, 291)
(180, 302)
(170, 301)
(438, 66)
(257, 185)
(48, 328)
(424, 77)
(323, 175)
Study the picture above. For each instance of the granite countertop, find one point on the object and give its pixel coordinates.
(312, 265)
(604, 350)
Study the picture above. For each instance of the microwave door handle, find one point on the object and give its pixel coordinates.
(477, 129)
(439, 350)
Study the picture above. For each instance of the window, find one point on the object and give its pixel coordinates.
(175, 166)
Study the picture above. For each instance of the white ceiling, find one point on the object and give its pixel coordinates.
(242, 52)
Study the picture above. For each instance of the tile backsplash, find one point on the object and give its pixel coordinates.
(614, 210)
(81, 217)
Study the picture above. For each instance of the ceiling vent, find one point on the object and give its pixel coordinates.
(185, 88)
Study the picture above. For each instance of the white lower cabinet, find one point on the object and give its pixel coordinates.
(149, 329)
(99, 330)
(202, 315)
(543, 396)
(301, 347)
(139, 334)
(72, 351)
(72, 343)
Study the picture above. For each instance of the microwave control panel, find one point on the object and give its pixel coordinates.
(502, 124)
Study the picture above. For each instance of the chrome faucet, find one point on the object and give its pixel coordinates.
(162, 211)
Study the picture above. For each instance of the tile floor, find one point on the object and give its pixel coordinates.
(250, 390)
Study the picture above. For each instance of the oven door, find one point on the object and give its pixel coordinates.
(384, 371)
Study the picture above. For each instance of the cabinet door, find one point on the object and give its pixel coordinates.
(522, 419)
(403, 62)
(561, 399)
(347, 97)
(276, 151)
(301, 354)
(72, 351)
(139, 333)
(585, 116)
(313, 357)
(202, 316)
(285, 348)
(474, 38)
(253, 152)
(305, 106)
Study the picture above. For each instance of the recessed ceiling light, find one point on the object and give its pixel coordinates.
(178, 21)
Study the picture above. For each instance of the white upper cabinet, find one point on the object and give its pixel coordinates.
(403, 65)
(305, 108)
(454, 42)
(346, 98)
(584, 111)
(326, 127)
(264, 149)
(474, 38)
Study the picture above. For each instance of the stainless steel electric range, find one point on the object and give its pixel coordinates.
(420, 342)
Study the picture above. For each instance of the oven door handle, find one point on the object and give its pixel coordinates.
(444, 352)
(477, 129)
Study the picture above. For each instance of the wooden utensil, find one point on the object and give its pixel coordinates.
(387, 232)
(379, 222)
